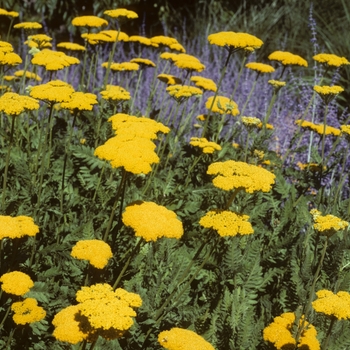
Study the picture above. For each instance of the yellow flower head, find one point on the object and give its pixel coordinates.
(53, 60)
(331, 60)
(67, 329)
(183, 339)
(115, 93)
(233, 41)
(313, 167)
(16, 227)
(27, 74)
(13, 14)
(14, 104)
(123, 66)
(222, 105)
(9, 58)
(163, 40)
(169, 56)
(113, 35)
(177, 47)
(277, 85)
(188, 62)
(251, 121)
(287, 58)
(205, 145)
(319, 128)
(183, 92)
(169, 79)
(143, 62)
(121, 13)
(204, 83)
(328, 93)
(40, 38)
(71, 46)
(142, 40)
(5, 47)
(164, 222)
(16, 283)
(27, 311)
(227, 223)
(260, 67)
(337, 305)
(95, 251)
(231, 175)
(28, 25)
(89, 21)
(328, 225)
(54, 91)
(80, 101)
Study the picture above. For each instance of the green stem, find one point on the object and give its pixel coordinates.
(250, 95)
(324, 136)
(5, 317)
(328, 335)
(136, 91)
(110, 57)
(233, 196)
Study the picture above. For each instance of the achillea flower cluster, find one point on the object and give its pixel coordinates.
(143, 62)
(328, 93)
(319, 128)
(233, 41)
(188, 62)
(222, 105)
(336, 305)
(204, 83)
(117, 13)
(345, 130)
(80, 101)
(287, 58)
(115, 94)
(164, 222)
(233, 175)
(16, 283)
(169, 79)
(260, 67)
(205, 145)
(251, 121)
(122, 66)
(89, 21)
(27, 311)
(7, 56)
(105, 36)
(4, 12)
(40, 40)
(28, 75)
(183, 339)
(17, 227)
(132, 147)
(71, 46)
(327, 225)
(53, 60)
(95, 251)
(142, 40)
(163, 40)
(331, 60)
(14, 104)
(54, 91)
(277, 85)
(100, 312)
(279, 333)
(183, 92)
(227, 223)
(28, 25)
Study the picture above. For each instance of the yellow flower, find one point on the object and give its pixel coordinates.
(132, 126)
(143, 62)
(89, 21)
(337, 305)
(177, 47)
(96, 252)
(71, 46)
(27, 74)
(5, 47)
(163, 40)
(80, 101)
(14, 104)
(319, 128)
(313, 167)
(232, 174)
(222, 105)
(169, 56)
(40, 39)
(204, 83)
(3, 12)
(227, 223)
(183, 92)
(67, 329)
(328, 225)
(123, 66)
(121, 13)
(113, 35)
(251, 121)
(331, 60)
(164, 222)
(27, 311)
(188, 62)
(205, 145)
(169, 79)
(9, 58)
(28, 25)
(287, 58)
(233, 41)
(16, 283)
(54, 91)
(260, 67)
(328, 93)
(277, 85)
(142, 40)
(115, 93)
(16, 227)
(183, 339)
(53, 60)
